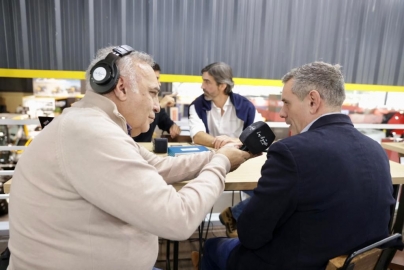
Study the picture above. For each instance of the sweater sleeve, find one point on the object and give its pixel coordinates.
(110, 173)
(172, 168)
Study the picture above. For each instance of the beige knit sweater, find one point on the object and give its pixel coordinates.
(86, 196)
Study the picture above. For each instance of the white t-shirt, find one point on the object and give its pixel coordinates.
(227, 124)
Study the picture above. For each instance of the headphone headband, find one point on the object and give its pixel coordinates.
(105, 73)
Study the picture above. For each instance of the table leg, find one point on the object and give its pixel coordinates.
(398, 224)
(200, 230)
(175, 267)
(168, 263)
(396, 189)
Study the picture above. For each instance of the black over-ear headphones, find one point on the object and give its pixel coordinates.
(105, 73)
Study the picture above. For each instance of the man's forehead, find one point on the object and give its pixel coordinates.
(144, 69)
(147, 73)
(286, 90)
(206, 76)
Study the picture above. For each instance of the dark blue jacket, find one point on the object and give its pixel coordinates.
(245, 110)
(323, 193)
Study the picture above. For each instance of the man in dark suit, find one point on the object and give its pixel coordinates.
(324, 192)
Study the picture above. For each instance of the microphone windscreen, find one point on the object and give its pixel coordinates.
(257, 137)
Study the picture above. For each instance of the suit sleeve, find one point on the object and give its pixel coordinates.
(164, 121)
(274, 199)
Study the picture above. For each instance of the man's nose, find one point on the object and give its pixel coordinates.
(282, 113)
(156, 105)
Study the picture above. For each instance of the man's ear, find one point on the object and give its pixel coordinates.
(120, 91)
(222, 86)
(314, 100)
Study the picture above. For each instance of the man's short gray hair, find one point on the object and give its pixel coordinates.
(125, 65)
(327, 79)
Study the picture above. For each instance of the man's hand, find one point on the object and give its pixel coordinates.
(174, 131)
(168, 100)
(235, 156)
(222, 140)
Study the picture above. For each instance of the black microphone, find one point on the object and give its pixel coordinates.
(256, 138)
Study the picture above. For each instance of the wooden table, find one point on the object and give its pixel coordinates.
(395, 147)
(397, 169)
(397, 173)
(244, 178)
(247, 175)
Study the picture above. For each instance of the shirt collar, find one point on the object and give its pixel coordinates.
(129, 129)
(226, 104)
(311, 123)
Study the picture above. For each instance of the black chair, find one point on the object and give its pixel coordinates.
(370, 257)
(4, 259)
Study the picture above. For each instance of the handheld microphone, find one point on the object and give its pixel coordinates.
(256, 138)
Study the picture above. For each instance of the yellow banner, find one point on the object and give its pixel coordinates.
(80, 75)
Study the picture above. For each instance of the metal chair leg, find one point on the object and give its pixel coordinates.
(168, 264)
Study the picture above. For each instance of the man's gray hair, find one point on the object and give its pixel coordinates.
(125, 65)
(221, 73)
(327, 79)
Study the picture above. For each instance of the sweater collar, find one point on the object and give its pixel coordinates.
(104, 105)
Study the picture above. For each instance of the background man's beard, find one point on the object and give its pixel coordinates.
(207, 97)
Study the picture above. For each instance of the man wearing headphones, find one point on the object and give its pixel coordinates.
(86, 196)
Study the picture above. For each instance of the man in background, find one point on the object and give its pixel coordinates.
(324, 192)
(217, 118)
(162, 120)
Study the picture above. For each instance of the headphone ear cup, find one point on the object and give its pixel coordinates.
(105, 73)
(104, 77)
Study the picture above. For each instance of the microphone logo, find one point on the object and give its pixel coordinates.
(262, 139)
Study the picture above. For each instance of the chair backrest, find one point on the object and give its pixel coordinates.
(362, 259)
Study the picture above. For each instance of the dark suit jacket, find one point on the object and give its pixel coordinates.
(322, 193)
(162, 120)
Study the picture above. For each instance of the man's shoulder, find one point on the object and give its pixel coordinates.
(76, 121)
(240, 101)
(239, 97)
(198, 100)
(302, 142)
